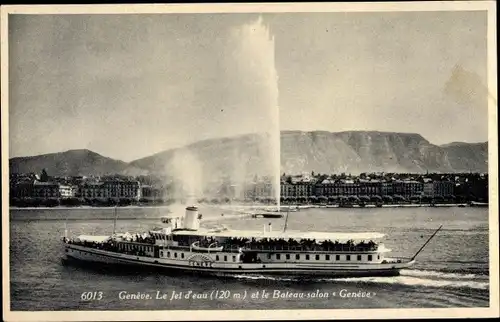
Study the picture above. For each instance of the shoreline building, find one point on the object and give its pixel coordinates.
(408, 188)
(111, 189)
(41, 190)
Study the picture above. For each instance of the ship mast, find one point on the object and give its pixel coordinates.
(66, 228)
(114, 223)
(286, 219)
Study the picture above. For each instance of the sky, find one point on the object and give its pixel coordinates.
(128, 86)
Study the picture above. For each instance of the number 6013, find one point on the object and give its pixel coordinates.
(91, 296)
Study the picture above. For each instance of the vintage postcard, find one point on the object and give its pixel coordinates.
(249, 161)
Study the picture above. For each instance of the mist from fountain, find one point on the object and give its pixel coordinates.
(187, 173)
(255, 53)
(249, 81)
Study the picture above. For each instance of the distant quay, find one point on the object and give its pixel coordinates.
(283, 207)
(396, 205)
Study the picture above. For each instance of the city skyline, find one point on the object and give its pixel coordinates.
(106, 83)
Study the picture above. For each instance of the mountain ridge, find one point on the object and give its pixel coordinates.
(301, 151)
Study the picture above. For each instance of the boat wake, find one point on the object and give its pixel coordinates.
(441, 275)
(409, 277)
(432, 279)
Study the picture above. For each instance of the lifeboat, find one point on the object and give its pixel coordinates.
(211, 248)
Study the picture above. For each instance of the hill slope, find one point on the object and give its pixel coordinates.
(327, 152)
(72, 163)
(237, 157)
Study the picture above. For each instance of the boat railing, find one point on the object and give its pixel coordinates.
(111, 246)
(338, 248)
(237, 248)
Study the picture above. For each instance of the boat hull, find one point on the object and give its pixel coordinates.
(101, 258)
(269, 216)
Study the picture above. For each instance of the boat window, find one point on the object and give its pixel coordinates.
(287, 256)
(225, 258)
(359, 257)
(327, 257)
(182, 255)
(234, 258)
(317, 257)
(175, 255)
(216, 257)
(347, 257)
(161, 254)
(269, 256)
(278, 256)
(168, 254)
(337, 257)
(378, 256)
(307, 257)
(297, 256)
(370, 258)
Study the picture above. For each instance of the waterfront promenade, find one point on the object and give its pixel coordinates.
(264, 207)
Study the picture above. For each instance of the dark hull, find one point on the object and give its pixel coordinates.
(267, 216)
(135, 268)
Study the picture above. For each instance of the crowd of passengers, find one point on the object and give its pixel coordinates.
(108, 245)
(207, 242)
(280, 243)
(137, 238)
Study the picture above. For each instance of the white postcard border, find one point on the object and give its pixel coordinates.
(492, 311)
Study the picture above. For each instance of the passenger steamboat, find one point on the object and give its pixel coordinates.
(181, 244)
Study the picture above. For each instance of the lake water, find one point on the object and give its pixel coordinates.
(452, 271)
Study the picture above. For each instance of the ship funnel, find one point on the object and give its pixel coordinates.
(192, 220)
